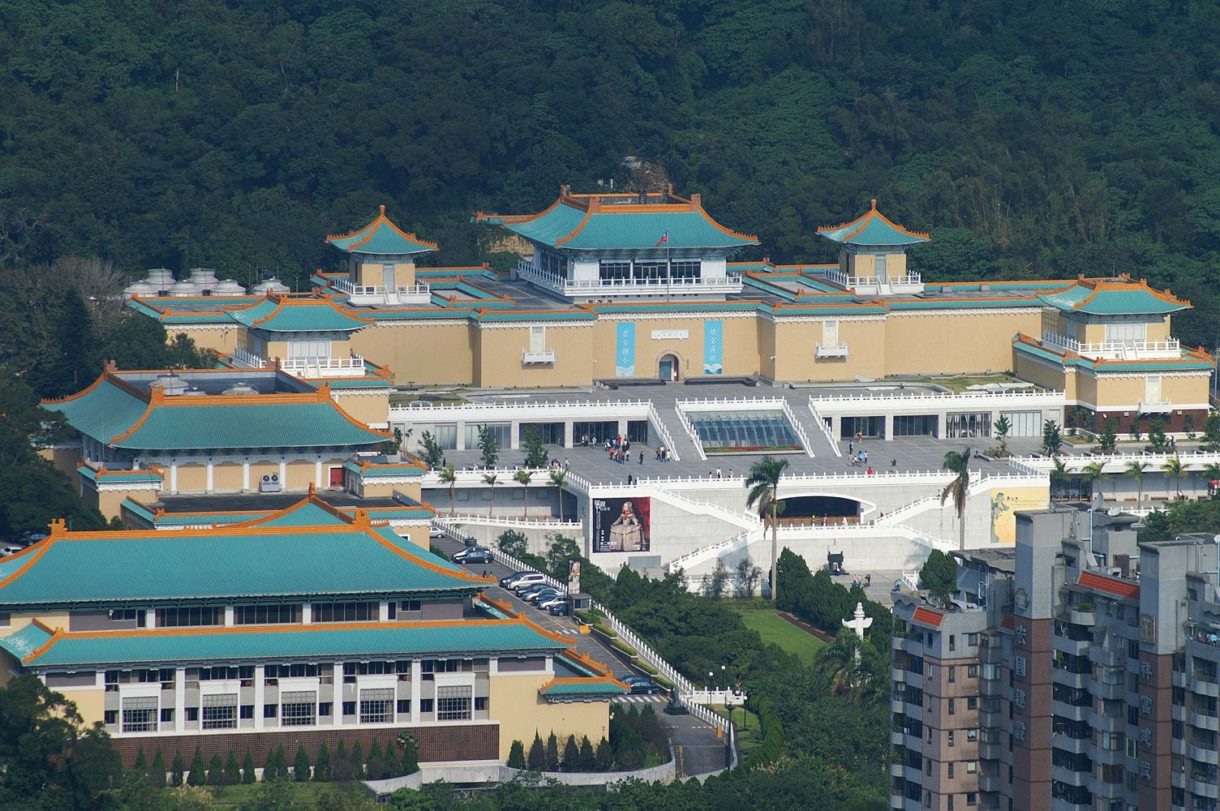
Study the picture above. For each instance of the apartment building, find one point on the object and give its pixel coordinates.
(1078, 670)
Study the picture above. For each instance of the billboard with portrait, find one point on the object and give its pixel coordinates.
(621, 524)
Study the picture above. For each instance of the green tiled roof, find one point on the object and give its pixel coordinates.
(24, 642)
(227, 563)
(191, 424)
(297, 315)
(873, 229)
(373, 471)
(811, 308)
(264, 643)
(1184, 363)
(1103, 297)
(962, 303)
(535, 315)
(381, 238)
(304, 514)
(101, 411)
(626, 227)
(583, 687)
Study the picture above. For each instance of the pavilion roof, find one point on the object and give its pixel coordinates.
(381, 237)
(1121, 295)
(283, 313)
(873, 229)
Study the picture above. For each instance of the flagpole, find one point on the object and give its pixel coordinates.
(669, 272)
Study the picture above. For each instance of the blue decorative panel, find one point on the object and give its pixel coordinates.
(624, 352)
(713, 347)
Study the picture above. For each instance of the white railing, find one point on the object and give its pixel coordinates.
(1028, 470)
(691, 432)
(728, 403)
(324, 367)
(412, 294)
(831, 351)
(730, 283)
(743, 519)
(667, 441)
(843, 280)
(244, 357)
(1115, 349)
(907, 510)
(523, 405)
(797, 427)
(896, 395)
(885, 476)
(504, 476)
(483, 520)
(715, 550)
(542, 356)
(821, 423)
(1117, 462)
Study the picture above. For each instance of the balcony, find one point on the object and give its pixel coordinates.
(1203, 720)
(911, 283)
(365, 295)
(1074, 647)
(1107, 723)
(248, 360)
(598, 288)
(990, 782)
(529, 358)
(1201, 753)
(1082, 614)
(1116, 350)
(352, 366)
(989, 750)
(831, 351)
(1203, 786)
(1106, 657)
(1065, 710)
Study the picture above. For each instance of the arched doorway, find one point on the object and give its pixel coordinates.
(667, 368)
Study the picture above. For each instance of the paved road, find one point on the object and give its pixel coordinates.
(696, 747)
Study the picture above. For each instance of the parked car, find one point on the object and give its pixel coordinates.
(543, 595)
(436, 532)
(507, 579)
(522, 582)
(5, 551)
(526, 578)
(559, 609)
(475, 555)
(547, 602)
(641, 685)
(530, 592)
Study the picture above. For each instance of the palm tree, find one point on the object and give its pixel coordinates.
(1093, 473)
(490, 480)
(448, 476)
(1211, 472)
(522, 477)
(1060, 476)
(763, 486)
(958, 463)
(559, 477)
(1174, 469)
(1137, 469)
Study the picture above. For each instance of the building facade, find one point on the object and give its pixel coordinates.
(1086, 664)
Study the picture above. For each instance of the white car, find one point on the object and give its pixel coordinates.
(520, 582)
(558, 599)
(5, 551)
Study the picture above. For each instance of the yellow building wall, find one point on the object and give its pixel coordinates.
(1159, 330)
(192, 478)
(51, 619)
(109, 502)
(1005, 502)
(863, 264)
(1047, 374)
(514, 702)
(226, 477)
(372, 488)
(90, 703)
(946, 342)
(417, 535)
(299, 474)
(739, 357)
(796, 342)
(369, 274)
(260, 469)
(424, 353)
(371, 409)
(1086, 388)
(222, 341)
(1129, 391)
(895, 265)
(500, 365)
(62, 457)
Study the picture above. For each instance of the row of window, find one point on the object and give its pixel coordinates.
(375, 706)
(270, 614)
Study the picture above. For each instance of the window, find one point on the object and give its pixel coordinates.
(345, 612)
(266, 614)
(140, 714)
(927, 767)
(247, 710)
(952, 672)
(409, 605)
(167, 716)
(970, 799)
(949, 807)
(349, 707)
(189, 615)
(192, 713)
(972, 671)
(325, 708)
(271, 710)
(220, 711)
(425, 705)
(952, 642)
(1020, 667)
(972, 734)
(110, 717)
(376, 706)
(951, 771)
(972, 766)
(972, 703)
(972, 640)
(952, 707)
(480, 704)
(453, 703)
(403, 706)
(298, 708)
(950, 737)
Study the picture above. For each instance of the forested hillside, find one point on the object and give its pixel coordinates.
(1032, 138)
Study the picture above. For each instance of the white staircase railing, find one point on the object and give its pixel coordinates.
(691, 432)
(667, 441)
(797, 427)
(743, 519)
(715, 550)
(821, 423)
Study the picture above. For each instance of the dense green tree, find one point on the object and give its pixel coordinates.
(552, 753)
(571, 755)
(248, 774)
(321, 769)
(300, 765)
(431, 452)
(177, 770)
(537, 756)
(939, 574)
(198, 775)
(216, 770)
(156, 770)
(410, 754)
(489, 447)
(516, 755)
(535, 451)
(232, 771)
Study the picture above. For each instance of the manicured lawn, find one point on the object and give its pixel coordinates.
(310, 795)
(748, 732)
(774, 629)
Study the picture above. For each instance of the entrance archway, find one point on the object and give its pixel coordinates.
(668, 369)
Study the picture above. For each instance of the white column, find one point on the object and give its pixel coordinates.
(245, 475)
(260, 697)
(180, 699)
(383, 611)
(173, 477)
(306, 613)
(569, 434)
(317, 474)
(211, 486)
(150, 618)
(622, 427)
(229, 616)
(283, 472)
(889, 426)
(514, 435)
(461, 436)
(416, 682)
(337, 703)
